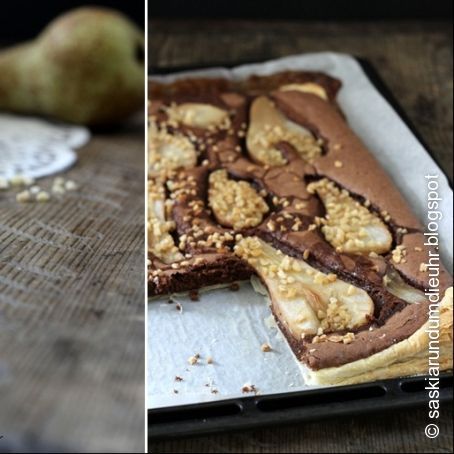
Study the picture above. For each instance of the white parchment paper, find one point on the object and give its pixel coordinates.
(231, 326)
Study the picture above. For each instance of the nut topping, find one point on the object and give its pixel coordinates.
(268, 127)
(348, 225)
(398, 254)
(265, 347)
(169, 151)
(235, 203)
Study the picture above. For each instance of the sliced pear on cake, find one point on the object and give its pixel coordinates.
(235, 203)
(168, 152)
(308, 87)
(160, 241)
(199, 115)
(268, 127)
(348, 225)
(304, 299)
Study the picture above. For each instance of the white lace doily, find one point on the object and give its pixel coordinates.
(36, 148)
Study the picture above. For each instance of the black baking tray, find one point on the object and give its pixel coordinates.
(292, 407)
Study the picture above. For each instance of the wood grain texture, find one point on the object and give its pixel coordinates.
(400, 432)
(72, 306)
(415, 61)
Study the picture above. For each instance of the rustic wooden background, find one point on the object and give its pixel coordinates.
(415, 61)
(72, 307)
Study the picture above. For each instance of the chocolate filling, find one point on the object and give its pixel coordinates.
(286, 193)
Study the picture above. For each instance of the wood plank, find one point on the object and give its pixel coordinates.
(402, 431)
(72, 306)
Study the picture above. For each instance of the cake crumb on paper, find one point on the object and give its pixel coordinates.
(194, 295)
(192, 360)
(249, 388)
(265, 347)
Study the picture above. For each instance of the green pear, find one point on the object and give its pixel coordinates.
(86, 67)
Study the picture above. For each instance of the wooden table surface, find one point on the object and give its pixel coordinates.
(415, 61)
(72, 306)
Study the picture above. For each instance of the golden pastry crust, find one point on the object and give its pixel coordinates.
(409, 357)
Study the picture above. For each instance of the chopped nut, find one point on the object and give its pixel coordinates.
(71, 185)
(266, 347)
(350, 226)
(300, 205)
(194, 295)
(399, 253)
(21, 180)
(268, 126)
(348, 338)
(193, 359)
(34, 189)
(42, 196)
(338, 164)
(58, 189)
(235, 204)
(209, 360)
(248, 388)
(23, 196)
(271, 226)
(4, 183)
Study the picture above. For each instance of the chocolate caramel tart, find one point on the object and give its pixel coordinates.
(264, 177)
